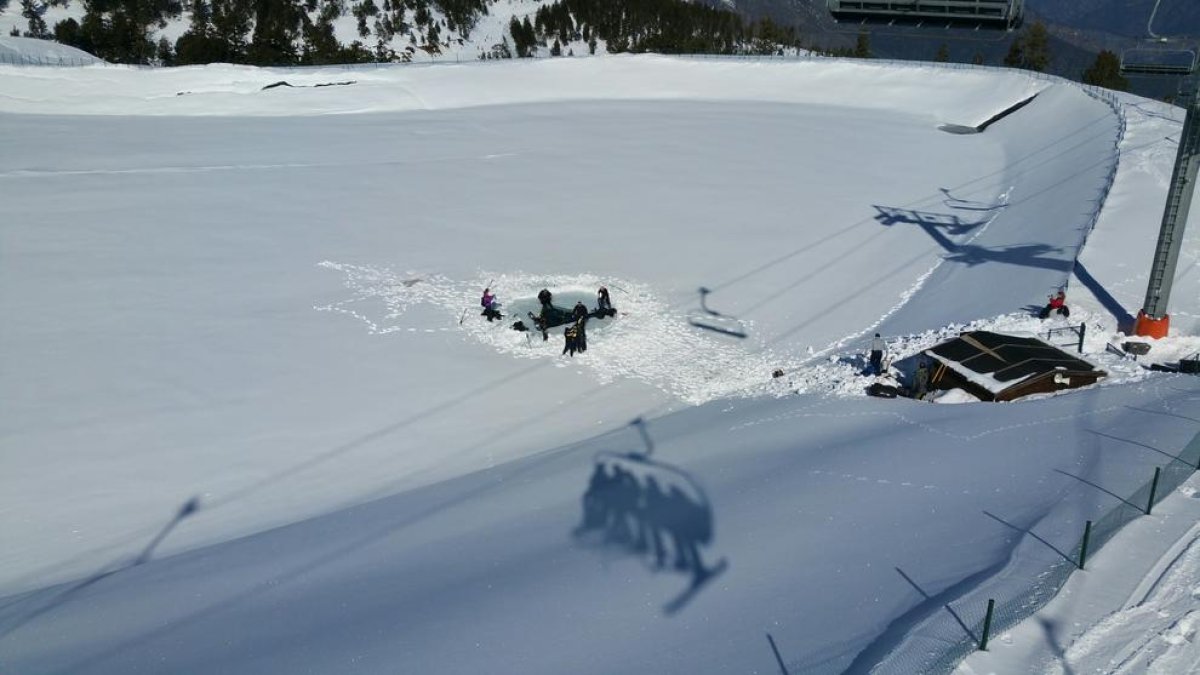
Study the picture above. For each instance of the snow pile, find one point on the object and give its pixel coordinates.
(31, 50)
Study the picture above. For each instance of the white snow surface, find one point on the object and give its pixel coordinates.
(269, 300)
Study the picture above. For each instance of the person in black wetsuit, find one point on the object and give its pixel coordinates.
(604, 303)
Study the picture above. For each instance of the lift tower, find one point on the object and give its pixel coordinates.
(1153, 320)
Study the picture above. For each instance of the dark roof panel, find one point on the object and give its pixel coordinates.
(1007, 357)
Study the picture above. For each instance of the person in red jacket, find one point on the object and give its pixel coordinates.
(1058, 303)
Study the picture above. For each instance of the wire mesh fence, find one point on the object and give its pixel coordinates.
(12, 59)
(1045, 585)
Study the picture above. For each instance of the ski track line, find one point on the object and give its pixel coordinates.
(1163, 567)
(1156, 617)
(855, 478)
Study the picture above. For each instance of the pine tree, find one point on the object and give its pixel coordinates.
(1031, 49)
(530, 35)
(1037, 47)
(276, 27)
(166, 57)
(1016, 54)
(231, 26)
(862, 46)
(32, 11)
(1106, 72)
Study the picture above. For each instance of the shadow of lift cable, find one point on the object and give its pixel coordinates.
(63, 596)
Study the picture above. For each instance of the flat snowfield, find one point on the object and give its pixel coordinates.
(268, 299)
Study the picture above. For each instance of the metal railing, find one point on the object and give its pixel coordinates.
(1044, 586)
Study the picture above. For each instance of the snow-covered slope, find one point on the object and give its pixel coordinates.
(454, 44)
(228, 292)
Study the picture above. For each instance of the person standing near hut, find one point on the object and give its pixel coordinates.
(921, 380)
(878, 346)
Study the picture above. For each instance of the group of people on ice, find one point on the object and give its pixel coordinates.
(550, 316)
(575, 334)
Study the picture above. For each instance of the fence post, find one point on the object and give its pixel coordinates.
(1082, 331)
(987, 625)
(1087, 534)
(1153, 489)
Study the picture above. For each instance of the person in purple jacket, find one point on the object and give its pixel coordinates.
(489, 305)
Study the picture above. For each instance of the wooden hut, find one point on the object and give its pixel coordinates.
(999, 367)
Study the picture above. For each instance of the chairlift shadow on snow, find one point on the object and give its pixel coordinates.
(968, 204)
(940, 227)
(639, 506)
(948, 223)
(712, 320)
